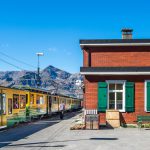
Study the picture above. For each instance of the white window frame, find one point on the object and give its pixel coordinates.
(117, 82)
(145, 95)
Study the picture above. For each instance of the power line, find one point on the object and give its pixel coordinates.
(11, 64)
(17, 60)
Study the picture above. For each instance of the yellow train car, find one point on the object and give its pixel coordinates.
(37, 103)
(20, 105)
(12, 105)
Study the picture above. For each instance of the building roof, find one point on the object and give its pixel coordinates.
(115, 70)
(114, 42)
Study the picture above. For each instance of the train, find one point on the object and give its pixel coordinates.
(24, 104)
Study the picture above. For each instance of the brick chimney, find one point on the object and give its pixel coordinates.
(127, 33)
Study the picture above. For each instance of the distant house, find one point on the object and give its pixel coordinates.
(117, 76)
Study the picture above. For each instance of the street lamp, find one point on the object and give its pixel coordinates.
(38, 69)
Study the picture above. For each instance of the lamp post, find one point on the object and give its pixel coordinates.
(38, 68)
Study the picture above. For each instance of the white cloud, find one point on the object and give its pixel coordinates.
(67, 52)
(52, 49)
(4, 45)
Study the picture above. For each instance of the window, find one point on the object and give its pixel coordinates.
(15, 101)
(39, 100)
(54, 100)
(22, 101)
(116, 95)
(9, 106)
(3, 104)
(32, 99)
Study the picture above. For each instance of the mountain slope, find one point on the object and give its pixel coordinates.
(52, 79)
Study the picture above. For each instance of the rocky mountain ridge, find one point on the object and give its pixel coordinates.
(52, 79)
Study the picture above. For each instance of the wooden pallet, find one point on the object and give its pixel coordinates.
(78, 127)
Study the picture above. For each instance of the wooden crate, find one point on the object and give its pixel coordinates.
(112, 114)
(113, 118)
(113, 123)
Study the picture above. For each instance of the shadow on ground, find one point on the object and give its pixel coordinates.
(38, 144)
(21, 132)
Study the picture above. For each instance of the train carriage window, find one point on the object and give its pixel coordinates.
(9, 106)
(3, 111)
(54, 100)
(69, 101)
(22, 101)
(15, 101)
(32, 99)
(39, 99)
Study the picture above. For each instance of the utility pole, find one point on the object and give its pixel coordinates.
(38, 69)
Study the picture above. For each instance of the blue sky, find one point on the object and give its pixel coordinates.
(55, 27)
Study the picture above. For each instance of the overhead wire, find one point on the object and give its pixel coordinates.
(11, 64)
(16, 66)
(2, 60)
(17, 60)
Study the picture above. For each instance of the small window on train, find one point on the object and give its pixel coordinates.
(9, 106)
(15, 101)
(54, 100)
(69, 102)
(22, 101)
(39, 100)
(32, 99)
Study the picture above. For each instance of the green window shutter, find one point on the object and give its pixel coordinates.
(102, 96)
(129, 97)
(148, 96)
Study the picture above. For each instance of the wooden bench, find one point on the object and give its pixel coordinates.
(142, 119)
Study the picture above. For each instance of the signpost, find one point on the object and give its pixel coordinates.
(38, 69)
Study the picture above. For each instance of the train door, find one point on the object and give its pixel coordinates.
(2, 108)
(49, 99)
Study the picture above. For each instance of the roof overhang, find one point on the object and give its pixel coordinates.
(114, 44)
(115, 71)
